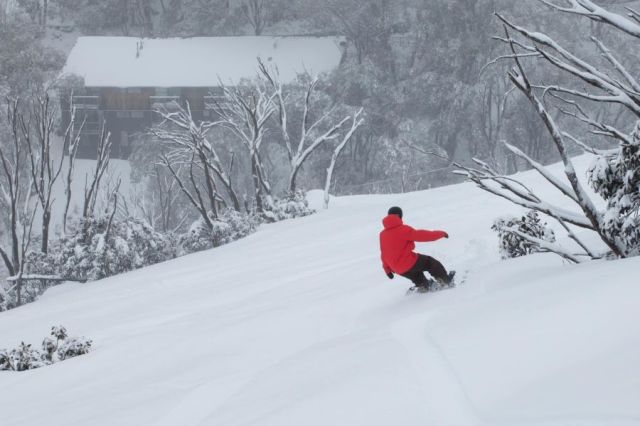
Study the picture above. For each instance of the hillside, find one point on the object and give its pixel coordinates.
(298, 325)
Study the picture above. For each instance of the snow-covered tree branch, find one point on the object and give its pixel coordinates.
(45, 169)
(245, 111)
(184, 135)
(16, 184)
(356, 121)
(589, 9)
(607, 90)
(71, 144)
(316, 126)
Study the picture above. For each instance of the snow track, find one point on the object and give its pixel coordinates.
(442, 390)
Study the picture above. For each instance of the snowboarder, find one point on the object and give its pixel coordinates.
(396, 251)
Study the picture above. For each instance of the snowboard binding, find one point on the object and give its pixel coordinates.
(434, 285)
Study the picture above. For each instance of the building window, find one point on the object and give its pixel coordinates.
(137, 114)
(89, 116)
(122, 114)
(134, 90)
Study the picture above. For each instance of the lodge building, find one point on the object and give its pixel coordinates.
(125, 79)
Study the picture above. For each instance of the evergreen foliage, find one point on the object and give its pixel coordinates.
(292, 206)
(102, 247)
(229, 226)
(512, 244)
(54, 349)
(616, 177)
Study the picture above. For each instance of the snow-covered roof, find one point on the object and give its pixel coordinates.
(197, 61)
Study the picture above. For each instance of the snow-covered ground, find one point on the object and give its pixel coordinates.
(298, 325)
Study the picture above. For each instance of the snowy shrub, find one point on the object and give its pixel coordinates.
(56, 348)
(230, 226)
(616, 177)
(49, 347)
(97, 250)
(197, 238)
(22, 358)
(5, 363)
(514, 245)
(74, 347)
(39, 263)
(293, 205)
(36, 263)
(29, 291)
(59, 332)
(240, 225)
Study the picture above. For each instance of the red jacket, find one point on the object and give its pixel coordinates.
(397, 244)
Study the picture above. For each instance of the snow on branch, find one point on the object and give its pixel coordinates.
(27, 277)
(184, 138)
(589, 9)
(313, 132)
(606, 52)
(561, 186)
(516, 192)
(521, 81)
(545, 245)
(615, 91)
(356, 121)
(600, 128)
(245, 111)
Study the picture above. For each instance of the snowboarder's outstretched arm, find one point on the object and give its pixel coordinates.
(423, 235)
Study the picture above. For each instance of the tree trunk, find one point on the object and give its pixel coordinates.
(15, 241)
(257, 184)
(46, 221)
(292, 179)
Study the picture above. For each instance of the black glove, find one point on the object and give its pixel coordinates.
(390, 275)
(446, 235)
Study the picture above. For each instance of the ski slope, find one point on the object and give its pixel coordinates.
(298, 325)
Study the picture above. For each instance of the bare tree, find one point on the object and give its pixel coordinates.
(189, 185)
(188, 153)
(182, 133)
(367, 25)
(608, 89)
(92, 184)
(159, 202)
(315, 127)
(255, 11)
(25, 242)
(72, 137)
(16, 184)
(356, 122)
(245, 112)
(45, 169)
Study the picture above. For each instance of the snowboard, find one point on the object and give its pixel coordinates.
(434, 286)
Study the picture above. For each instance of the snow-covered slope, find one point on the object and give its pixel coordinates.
(298, 325)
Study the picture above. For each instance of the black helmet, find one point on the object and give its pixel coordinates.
(395, 210)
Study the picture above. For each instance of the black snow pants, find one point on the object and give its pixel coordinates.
(426, 264)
